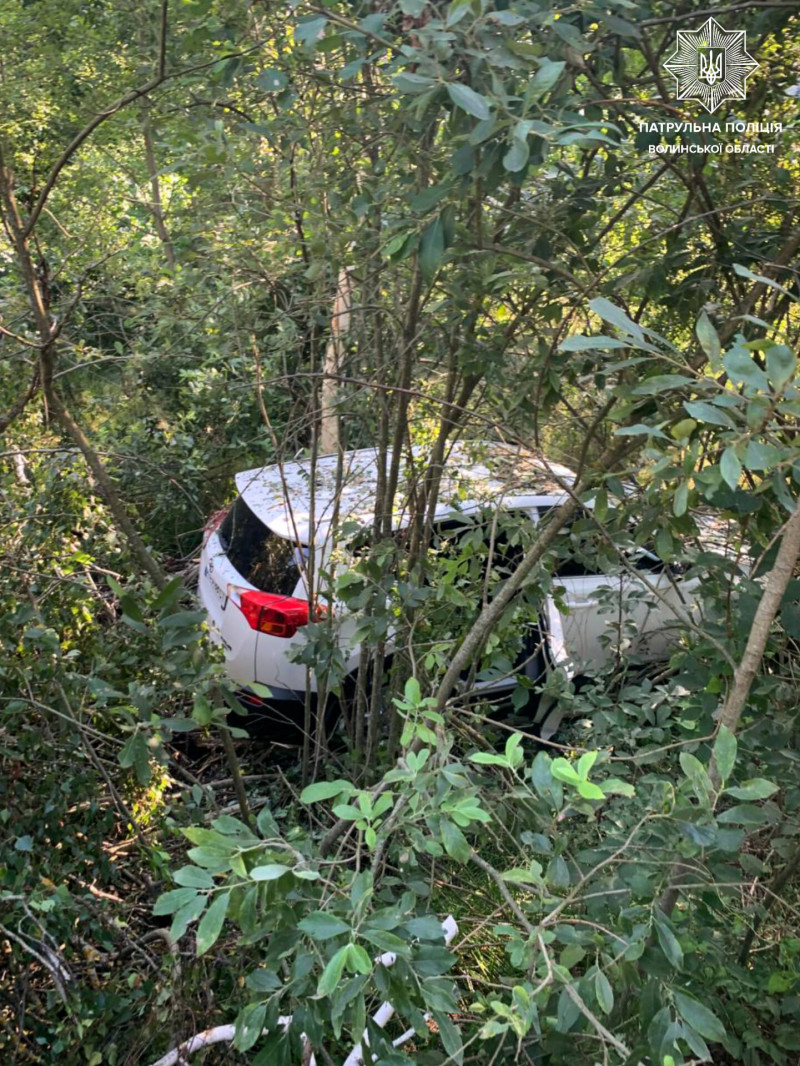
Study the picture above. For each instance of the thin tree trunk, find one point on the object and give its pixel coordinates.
(21, 403)
(769, 604)
(404, 384)
(736, 700)
(47, 356)
(156, 203)
(340, 323)
(779, 882)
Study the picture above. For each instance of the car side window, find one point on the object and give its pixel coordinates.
(583, 553)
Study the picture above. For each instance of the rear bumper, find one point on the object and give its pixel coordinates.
(280, 717)
(250, 699)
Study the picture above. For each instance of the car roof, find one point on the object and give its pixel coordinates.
(475, 473)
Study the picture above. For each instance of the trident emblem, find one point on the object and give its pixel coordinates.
(711, 65)
(711, 61)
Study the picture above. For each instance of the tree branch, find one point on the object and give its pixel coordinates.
(19, 406)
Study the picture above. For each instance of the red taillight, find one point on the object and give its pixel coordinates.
(279, 616)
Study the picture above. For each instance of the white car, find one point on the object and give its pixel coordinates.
(254, 580)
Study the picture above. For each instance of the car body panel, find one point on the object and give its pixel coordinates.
(581, 621)
(226, 623)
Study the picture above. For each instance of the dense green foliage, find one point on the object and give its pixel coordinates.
(181, 190)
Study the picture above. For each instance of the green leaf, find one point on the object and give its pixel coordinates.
(332, 974)
(249, 1026)
(357, 960)
(269, 872)
(348, 812)
(168, 595)
(186, 915)
(135, 753)
(709, 414)
(412, 692)
(656, 384)
(613, 786)
(696, 773)
(306, 875)
(744, 814)
(730, 466)
(616, 316)
(323, 790)
(431, 250)
(640, 430)
(214, 859)
(725, 752)
(755, 789)
(583, 344)
(131, 609)
(668, 941)
(557, 873)
(485, 758)
(680, 503)
(742, 369)
(699, 1017)
(604, 992)
(586, 762)
(320, 925)
(455, 843)
(696, 1043)
(272, 80)
(544, 782)
(468, 100)
(567, 1012)
(621, 27)
(684, 429)
(518, 876)
(709, 341)
(233, 827)
(450, 1036)
(513, 752)
(547, 75)
(266, 824)
(385, 941)
(309, 30)
(790, 619)
(590, 791)
(781, 364)
(208, 838)
(743, 272)
(516, 158)
(211, 923)
(563, 770)
(169, 902)
(761, 456)
(426, 927)
(412, 84)
(262, 980)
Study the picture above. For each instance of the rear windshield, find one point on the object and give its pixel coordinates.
(269, 562)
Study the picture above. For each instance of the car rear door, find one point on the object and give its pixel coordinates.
(594, 615)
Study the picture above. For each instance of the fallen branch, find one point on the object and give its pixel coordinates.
(46, 958)
(220, 1034)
